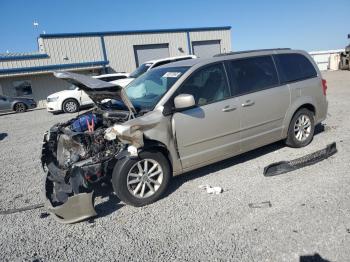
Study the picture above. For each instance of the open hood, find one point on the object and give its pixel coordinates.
(96, 89)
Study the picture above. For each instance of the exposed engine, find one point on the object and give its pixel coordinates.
(83, 151)
(77, 155)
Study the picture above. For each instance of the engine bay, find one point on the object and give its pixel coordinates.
(77, 156)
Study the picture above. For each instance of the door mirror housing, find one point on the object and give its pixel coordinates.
(184, 101)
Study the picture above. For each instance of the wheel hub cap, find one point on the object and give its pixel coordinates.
(144, 178)
(71, 106)
(302, 128)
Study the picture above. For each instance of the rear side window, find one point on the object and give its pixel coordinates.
(294, 67)
(253, 74)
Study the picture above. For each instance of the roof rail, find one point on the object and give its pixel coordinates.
(250, 51)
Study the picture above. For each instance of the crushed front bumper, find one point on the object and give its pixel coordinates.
(77, 208)
(63, 197)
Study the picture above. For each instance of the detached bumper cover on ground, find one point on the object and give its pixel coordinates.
(310, 159)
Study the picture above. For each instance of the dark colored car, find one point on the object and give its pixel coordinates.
(17, 104)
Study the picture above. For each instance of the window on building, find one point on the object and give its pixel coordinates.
(253, 74)
(23, 87)
(207, 85)
(293, 67)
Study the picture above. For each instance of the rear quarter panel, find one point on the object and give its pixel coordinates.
(306, 92)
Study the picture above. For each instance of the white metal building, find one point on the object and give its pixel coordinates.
(30, 74)
(327, 60)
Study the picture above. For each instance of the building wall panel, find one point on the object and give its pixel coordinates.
(76, 49)
(223, 35)
(42, 86)
(120, 51)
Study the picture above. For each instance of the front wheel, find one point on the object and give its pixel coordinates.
(20, 107)
(70, 106)
(301, 129)
(141, 181)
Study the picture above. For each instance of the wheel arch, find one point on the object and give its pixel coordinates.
(150, 145)
(17, 102)
(305, 102)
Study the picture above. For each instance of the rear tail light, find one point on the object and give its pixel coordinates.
(324, 86)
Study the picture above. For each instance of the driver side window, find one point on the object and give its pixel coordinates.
(207, 85)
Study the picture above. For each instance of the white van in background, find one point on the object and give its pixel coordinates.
(148, 66)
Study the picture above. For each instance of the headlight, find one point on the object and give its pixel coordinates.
(52, 99)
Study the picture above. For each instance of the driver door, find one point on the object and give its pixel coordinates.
(209, 131)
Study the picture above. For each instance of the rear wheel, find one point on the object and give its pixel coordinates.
(20, 107)
(70, 106)
(141, 181)
(301, 129)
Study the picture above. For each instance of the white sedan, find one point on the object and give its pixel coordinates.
(69, 101)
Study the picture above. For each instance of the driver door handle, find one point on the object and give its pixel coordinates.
(228, 108)
(248, 103)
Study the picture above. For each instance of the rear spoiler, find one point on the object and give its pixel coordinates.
(96, 89)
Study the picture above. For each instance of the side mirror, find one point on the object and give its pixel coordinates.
(184, 101)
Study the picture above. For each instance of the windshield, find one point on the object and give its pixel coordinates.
(145, 91)
(140, 70)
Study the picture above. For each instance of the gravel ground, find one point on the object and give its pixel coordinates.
(309, 213)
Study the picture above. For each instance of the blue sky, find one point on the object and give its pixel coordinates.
(308, 25)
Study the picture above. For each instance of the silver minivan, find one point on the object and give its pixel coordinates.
(176, 118)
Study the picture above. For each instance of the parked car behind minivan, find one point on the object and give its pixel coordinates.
(176, 118)
(16, 104)
(146, 66)
(72, 99)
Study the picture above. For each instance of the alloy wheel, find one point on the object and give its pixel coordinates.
(302, 128)
(20, 107)
(144, 178)
(71, 106)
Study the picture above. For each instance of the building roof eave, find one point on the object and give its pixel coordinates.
(49, 68)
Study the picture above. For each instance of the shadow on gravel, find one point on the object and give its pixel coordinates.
(26, 112)
(313, 258)
(319, 129)
(3, 136)
(179, 180)
(109, 206)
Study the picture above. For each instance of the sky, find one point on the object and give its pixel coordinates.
(309, 25)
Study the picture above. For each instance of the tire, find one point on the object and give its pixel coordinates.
(301, 129)
(70, 106)
(342, 66)
(121, 176)
(20, 107)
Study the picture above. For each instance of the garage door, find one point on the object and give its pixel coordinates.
(145, 53)
(205, 49)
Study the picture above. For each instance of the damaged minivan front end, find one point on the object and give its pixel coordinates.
(81, 153)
